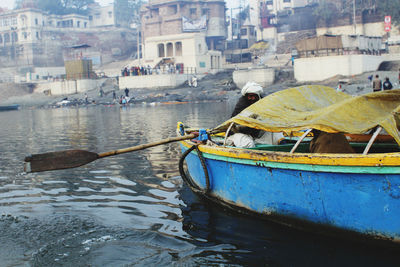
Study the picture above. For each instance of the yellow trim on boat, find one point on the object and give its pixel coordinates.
(375, 160)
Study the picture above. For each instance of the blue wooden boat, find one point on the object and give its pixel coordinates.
(9, 107)
(356, 193)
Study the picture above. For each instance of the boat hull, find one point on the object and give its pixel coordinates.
(351, 198)
(10, 107)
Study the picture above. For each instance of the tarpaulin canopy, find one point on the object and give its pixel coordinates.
(319, 43)
(260, 46)
(322, 108)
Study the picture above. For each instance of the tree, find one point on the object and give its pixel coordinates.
(58, 7)
(127, 11)
(390, 8)
(326, 11)
(52, 6)
(24, 4)
(80, 6)
(244, 13)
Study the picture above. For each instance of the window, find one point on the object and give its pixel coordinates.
(6, 38)
(270, 3)
(178, 49)
(78, 24)
(205, 11)
(25, 35)
(193, 11)
(23, 20)
(14, 21)
(90, 17)
(14, 37)
(243, 32)
(85, 25)
(110, 14)
(286, 1)
(37, 35)
(1, 39)
(172, 9)
(199, 48)
(161, 52)
(6, 22)
(170, 50)
(36, 21)
(154, 12)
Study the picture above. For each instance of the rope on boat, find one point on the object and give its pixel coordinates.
(188, 180)
(203, 164)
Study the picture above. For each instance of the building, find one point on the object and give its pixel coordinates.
(265, 14)
(188, 34)
(30, 36)
(101, 16)
(21, 33)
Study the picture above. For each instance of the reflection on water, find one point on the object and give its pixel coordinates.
(133, 208)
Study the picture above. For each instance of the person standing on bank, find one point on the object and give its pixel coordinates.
(387, 85)
(399, 79)
(377, 84)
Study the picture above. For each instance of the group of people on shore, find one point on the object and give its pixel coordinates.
(137, 71)
(147, 70)
(378, 85)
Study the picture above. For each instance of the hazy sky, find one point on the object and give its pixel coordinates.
(10, 3)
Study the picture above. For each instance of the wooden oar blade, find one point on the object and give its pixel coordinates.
(58, 160)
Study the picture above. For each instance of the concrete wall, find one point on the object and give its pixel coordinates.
(264, 77)
(152, 81)
(368, 29)
(321, 68)
(68, 87)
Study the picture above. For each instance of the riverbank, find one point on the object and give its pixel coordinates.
(213, 87)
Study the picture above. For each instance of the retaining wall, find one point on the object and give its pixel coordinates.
(153, 81)
(68, 87)
(264, 77)
(321, 68)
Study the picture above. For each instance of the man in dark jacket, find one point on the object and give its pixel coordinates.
(387, 85)
(251, 93)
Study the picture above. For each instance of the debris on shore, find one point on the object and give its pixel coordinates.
(212, 87)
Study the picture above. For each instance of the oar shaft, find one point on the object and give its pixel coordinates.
(144, 146)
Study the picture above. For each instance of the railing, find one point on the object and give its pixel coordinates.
(142, 71)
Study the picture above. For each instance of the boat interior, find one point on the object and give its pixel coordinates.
(286, 145)
(304, 147)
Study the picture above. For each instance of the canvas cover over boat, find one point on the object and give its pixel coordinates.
(322, 108)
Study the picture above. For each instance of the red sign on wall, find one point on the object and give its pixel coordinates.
(388, 23)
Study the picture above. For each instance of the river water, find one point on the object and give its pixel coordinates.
(133, 209)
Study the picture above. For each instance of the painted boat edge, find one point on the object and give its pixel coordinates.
(307, 225)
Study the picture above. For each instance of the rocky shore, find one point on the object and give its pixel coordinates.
(217, 87)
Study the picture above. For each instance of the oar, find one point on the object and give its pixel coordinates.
(74, 158)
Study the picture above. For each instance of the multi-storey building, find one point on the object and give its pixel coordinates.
(264, 14)
(28, 36)
(189, 33)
